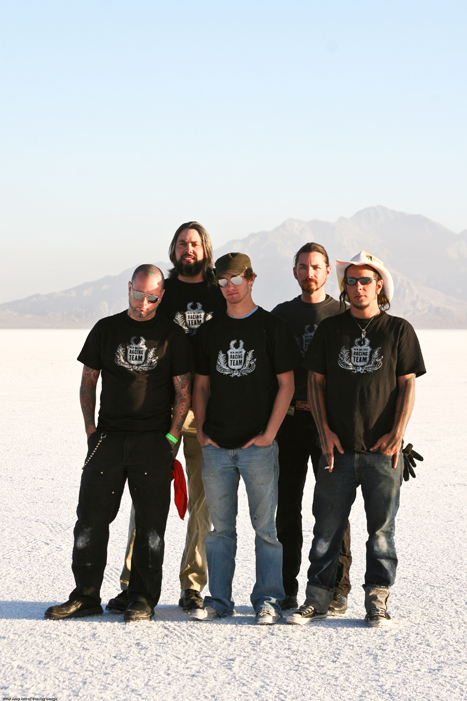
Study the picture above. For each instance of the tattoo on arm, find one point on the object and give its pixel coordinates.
(182, 384)
(316, 400)
(87, 395)
(404, 407)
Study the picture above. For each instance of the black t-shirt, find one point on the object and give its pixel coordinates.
(303, 318)
(361, 373)
(242, 358)
(138, 360)
(190, 304)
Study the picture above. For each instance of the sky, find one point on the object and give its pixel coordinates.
(121, 120)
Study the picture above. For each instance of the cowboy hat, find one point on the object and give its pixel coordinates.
(364, 258)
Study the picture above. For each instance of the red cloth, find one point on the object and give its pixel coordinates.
(180, 493)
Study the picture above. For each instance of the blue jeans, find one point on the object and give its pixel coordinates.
(334, 495)
(259, 469)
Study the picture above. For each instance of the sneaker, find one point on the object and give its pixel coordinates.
(290, 602)
(138, 611)
(190, 599)
(72, 609)
(207, 613)
(267, 616)
(119, 603)
(338, 605)
(378, 618)
(305, 614)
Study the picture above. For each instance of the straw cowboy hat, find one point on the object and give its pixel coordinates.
(364, 258)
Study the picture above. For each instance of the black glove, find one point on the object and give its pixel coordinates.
(410, 455)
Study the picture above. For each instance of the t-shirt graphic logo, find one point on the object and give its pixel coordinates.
(236, 362)
(138, 357)
(192, 319)
(360, 358)
(305, 340)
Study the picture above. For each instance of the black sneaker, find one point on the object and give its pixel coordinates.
(290, 602)
(72, 609)
(190, 599)
(378, 618)
(305, 614)
(338, 605)
(138, 611)
(119, 603)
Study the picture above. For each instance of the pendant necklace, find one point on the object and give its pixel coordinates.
(364, 328)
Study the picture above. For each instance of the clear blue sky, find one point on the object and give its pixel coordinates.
(120, 120)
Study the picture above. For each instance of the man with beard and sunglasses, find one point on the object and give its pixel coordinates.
(144, 361)
(298, 438)
(190, 299)
(361, 386)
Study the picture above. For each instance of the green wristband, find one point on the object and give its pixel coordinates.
(171, 438)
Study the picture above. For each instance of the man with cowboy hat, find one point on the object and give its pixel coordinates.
(361, 385)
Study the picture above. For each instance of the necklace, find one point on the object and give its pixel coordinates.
(364, 328)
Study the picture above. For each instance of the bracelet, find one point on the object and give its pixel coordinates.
(171, 438)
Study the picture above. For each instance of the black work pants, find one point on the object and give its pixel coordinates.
(145, 459)
(298, 441)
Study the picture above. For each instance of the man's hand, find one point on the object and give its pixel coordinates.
(90, 430)
(329, 442)
(260, 440)
(387, 445)
(205, 440)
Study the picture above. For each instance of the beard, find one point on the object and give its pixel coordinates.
(189, 269)
(310, 285)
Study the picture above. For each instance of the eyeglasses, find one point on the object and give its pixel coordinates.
(236, 280)
(136, 294)
(362, 280)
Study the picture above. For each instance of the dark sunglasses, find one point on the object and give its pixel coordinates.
(236, 280)
(362, 280)
(136, 294)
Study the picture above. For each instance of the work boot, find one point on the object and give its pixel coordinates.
(376, 604)
(338, 605)
(119, 603)
(72, 609)
(190, 599)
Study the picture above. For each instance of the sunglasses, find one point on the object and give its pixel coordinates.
(136, 294)
(236, 280)
(362, 280)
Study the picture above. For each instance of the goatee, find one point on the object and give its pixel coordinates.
(189, 269)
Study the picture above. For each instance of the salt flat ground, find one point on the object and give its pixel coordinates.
(422, 657)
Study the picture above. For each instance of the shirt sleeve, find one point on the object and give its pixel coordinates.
(181, 359)
(91, 351)
(409, 356)
(201, 356)
(315, 357)
(286, 354)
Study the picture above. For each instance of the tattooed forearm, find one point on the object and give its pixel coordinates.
(87, 395)
(316, 401)
(182, 400)
(404, 407)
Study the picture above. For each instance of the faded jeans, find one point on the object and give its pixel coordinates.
(333, 498)
(259, 469)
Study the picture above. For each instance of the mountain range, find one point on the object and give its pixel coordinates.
(427, 260)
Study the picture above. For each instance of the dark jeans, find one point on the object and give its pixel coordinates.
(146, 460)
(298, 441)
(334, 495)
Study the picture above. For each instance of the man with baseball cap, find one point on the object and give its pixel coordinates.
(244, 363)
(362, 368)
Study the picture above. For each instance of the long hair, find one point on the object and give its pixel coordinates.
(383, 302)
(208, 264)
